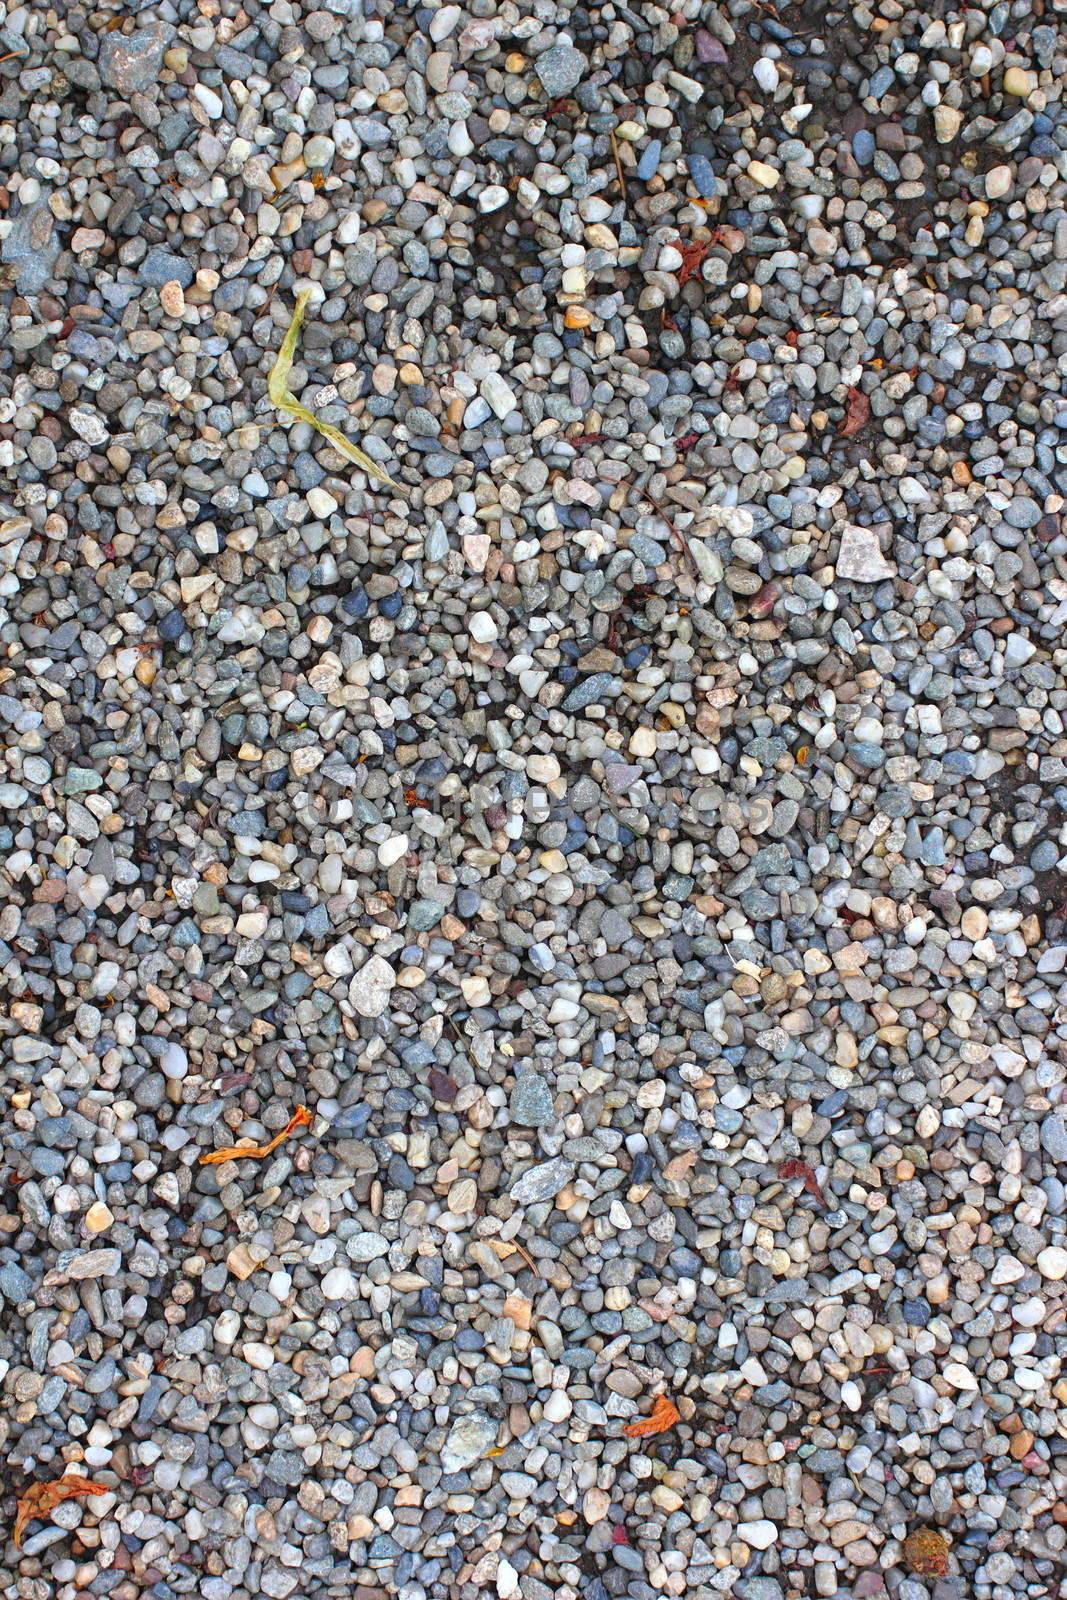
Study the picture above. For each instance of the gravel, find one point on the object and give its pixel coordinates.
(638, 844)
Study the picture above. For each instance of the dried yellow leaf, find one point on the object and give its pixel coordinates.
(290, 406)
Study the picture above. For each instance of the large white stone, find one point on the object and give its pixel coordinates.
(760, 1535)
(338, 1284)
(499, 395)
(860, 559)
(371, 987)
(467, 1441)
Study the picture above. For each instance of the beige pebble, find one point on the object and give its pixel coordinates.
(98, 1218)
(1019, 82)
(595, 1505)
(475, 990)
(927, 1122)
(997, 182)
(241, 1262)
(462, 1195)
(946, 123)
(1052, 1263)
(172, 298)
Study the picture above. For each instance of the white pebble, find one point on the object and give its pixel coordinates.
(338, 1284)
(760, 1535)
(391, 850)
(499, 395)
(766, 74)
(209, 100)
(483, 629)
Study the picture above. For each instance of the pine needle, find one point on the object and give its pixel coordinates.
(290, 406)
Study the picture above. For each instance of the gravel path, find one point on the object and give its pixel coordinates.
(605, 894)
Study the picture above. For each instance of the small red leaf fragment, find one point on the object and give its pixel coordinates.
(444, 1088)
(857, 410)
(795, 1168)
(692, 253)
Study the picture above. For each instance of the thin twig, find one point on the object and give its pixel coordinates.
(618, 162)
(460, 1035)
(526, 1256)
(679, 538)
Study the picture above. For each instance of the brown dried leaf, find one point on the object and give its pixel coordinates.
(40, 1498)
(926, 1553)
(857, 410)
(794, 1168)
(692, 252)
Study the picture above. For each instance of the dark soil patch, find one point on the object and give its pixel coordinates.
(1046, 897)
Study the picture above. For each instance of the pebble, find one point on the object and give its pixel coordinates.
(531, 1100)
(542, 1182)
(1054, 1136)
(129, 62)
(860, 558)
(998, 181)
(764, 175)
(1052, 1263)
(634, 833)
(371, 987)
(560, 68)
(469, 1438)
(500, 397)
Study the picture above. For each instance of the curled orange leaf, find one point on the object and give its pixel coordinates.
(301, 1118)
(40, 1498)
(664, 1415)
